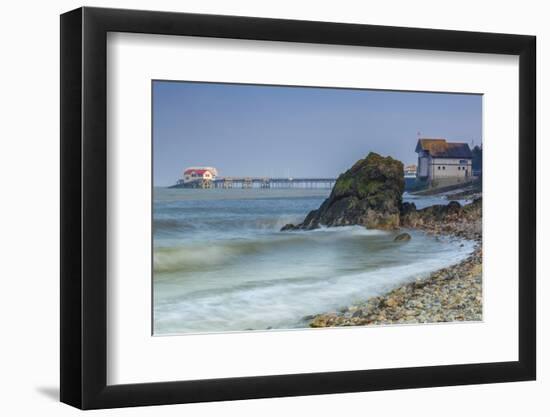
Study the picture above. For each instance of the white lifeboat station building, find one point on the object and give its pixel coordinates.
(198, 174)
(443, 163)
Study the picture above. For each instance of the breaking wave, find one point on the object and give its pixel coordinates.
(222, 264)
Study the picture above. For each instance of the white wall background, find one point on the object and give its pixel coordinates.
(29, 225)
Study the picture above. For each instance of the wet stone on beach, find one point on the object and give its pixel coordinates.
(402, 237)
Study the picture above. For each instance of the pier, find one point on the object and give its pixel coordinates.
(258, 183)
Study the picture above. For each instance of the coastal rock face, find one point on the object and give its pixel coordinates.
(462, 221)
(368, 194)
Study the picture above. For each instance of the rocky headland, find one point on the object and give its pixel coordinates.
(370, 194)
(451, 219)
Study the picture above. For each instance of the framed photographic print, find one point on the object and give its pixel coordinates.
(258, 207)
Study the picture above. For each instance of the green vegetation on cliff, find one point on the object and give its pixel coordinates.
(368, 194)
(370, 177)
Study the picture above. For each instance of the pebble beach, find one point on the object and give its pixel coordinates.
(446, 295)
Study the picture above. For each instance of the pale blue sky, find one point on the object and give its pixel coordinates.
(252, 130)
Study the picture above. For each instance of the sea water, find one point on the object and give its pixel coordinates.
(221, 263)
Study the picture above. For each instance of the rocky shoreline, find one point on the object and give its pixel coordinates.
(449, 294)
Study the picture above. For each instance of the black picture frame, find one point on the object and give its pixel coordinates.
(84, 207)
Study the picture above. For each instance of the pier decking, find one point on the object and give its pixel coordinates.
(259, 182)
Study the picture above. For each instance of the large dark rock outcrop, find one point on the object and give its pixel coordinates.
(368, 194)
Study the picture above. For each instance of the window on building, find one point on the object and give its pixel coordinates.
(438, 167)
(443, 167)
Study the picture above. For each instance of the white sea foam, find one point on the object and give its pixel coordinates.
(352, 230)
(284, 299)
